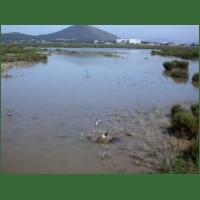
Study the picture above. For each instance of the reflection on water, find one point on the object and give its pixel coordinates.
(59, 102)
(180, 80)
(167, 73)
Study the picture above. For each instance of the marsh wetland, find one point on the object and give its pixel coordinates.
(50, 111)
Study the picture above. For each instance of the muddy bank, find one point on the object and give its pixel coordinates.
(5, 66)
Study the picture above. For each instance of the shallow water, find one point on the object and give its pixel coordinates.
(57, 104)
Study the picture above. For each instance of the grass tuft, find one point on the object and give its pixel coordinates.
(196, 77)
(179, 74)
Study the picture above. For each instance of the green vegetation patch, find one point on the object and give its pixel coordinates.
(18, 53)
(168, 65)
(195, 110)
(179, 165)
(181, 52)
(196, 77)
(28, 57)
(110, 55)
(180, 64)
(180, 73)
(186, 161)
(177, 108)
(185, 125)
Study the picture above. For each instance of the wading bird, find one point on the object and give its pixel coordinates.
(98, 121)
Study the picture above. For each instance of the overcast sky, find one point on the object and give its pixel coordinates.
(175, 33)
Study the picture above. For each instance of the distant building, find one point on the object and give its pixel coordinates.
(108, 42)
(96, 41)
(130, 41)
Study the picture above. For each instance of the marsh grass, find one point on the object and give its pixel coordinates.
(185, 158)
(177, 73)
(184, 162)
(177, 108)
(181, 64)
(195, 110)
(185, 125)
(28, 57)
(178, 165)
(195, 77)
(110, 55)
(168, 65)
(18, 53)
(181, 52)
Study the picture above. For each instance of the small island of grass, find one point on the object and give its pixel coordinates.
(110, 55)
(195, 77)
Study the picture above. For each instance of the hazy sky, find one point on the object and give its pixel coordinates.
(176, 33)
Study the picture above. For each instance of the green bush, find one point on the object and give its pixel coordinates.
(195, 77)
(179, 74)
(185, 125)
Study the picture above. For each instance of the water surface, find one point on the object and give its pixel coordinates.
(58, 102)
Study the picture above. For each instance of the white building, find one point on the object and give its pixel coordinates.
(130, 41)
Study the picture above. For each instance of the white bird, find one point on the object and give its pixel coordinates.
(98, 121)
(104, 135)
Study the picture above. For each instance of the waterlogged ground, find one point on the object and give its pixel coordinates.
(49, 111)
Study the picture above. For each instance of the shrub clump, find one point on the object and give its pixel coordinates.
(168, 65)
(185, 125)
(195, 77)
(176, 108)
(181, 64)
(179, 74)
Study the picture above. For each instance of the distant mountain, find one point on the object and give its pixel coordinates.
(15, 36)
(78, 33)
